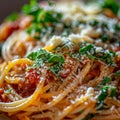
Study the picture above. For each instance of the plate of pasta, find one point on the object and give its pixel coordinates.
(60, 60)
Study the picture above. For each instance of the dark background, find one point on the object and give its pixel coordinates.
(9, 6)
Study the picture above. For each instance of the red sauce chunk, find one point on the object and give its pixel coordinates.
(33, 76)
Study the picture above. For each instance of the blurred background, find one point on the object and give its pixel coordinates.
(9, 6)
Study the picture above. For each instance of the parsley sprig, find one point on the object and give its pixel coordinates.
(31, 9)
(14, 16)
(117, 74)
(43, 57)
(106, 91)
(106, 80)
(42, 18)
(111, 4)
(95, 53)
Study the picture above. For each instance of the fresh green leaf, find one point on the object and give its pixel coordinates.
(106, 56)
(34, 30)
(111, 4)
(105, 37)
(117, 74)
(55, 59)
(106, 80)
(112, 91)
(56, 68)
(48, 16)
(116, 27)
(94, 22)
(103, 94)
(32, 56)
(42, 19)
(32, 8)
(42, 57)
(90, 51)
(106, 91)
(14, 16)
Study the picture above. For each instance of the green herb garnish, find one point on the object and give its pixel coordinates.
(105, 37)
(43, 57)
(106, 56)
(90, 51)
(117, 74)
(116, 27)
(94, 22)
(110, 4)
(106, 91)
(106, 80)
(42, 19)
(34, 30)
(14, 16)
(48, 16)
(32, 8)
(40, 14)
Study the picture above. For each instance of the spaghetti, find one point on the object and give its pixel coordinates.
(61, 62)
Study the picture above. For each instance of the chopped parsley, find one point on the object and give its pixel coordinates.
(105, 37)
(42, 18)
(88, 49)
(113, 5)
(12, 17)
(116, 27)
(106, 91)
(94, 22)
(106, 80)
(34, 30)
(96, 53)
(32, 8)
(43, 57)
(117, 74)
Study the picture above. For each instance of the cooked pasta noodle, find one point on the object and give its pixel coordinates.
(61, 62)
